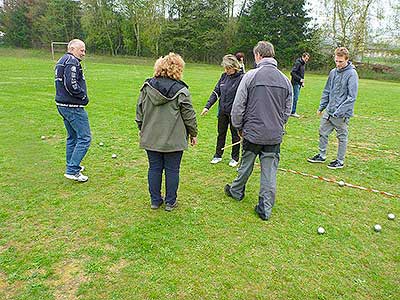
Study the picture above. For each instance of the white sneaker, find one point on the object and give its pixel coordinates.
(295, 115)
(216, 160)
(77, 177)
(233, 163)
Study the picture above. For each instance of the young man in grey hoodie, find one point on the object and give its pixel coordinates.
(337, 100)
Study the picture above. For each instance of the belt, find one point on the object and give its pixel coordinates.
(69, 105)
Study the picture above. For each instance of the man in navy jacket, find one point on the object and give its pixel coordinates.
(71, 98)
(297, 75)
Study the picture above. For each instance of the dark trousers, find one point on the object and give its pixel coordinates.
(158, 162)
(224, 120)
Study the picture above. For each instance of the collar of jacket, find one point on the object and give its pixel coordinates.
(74, 56)
(238, 73)
(267, 61)
(348, 67)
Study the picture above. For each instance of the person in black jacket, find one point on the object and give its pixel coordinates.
(225, 91)
(297, 74)
(71, 98)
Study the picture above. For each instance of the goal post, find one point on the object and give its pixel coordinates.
(57, 43)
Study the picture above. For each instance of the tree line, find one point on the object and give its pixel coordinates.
(200, 30)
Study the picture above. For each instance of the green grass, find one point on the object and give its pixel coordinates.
(100, 240)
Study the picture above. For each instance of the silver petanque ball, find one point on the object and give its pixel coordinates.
(101, 144)
(377, 228)
(391, 216)
(321, 230)
(114, 155)
(341, 183)
(43, 137)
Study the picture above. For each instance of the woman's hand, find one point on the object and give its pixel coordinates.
(204, 112)
(193, 140)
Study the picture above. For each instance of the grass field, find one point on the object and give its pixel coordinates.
(100, 240)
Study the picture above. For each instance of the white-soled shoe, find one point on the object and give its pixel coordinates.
(233, 163)
(77, 177)
(216, 160)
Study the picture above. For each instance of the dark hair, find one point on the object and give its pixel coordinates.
(239, 56)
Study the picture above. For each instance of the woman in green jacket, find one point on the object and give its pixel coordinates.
(166, 120)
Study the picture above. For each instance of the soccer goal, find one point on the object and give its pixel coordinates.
(59, 47)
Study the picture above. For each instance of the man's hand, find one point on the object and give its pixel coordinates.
(204, 112)
(319, 113)
(193, 140)
(302, 82)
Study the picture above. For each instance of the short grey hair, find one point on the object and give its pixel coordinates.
(230, 61)
(265, 49)
(75, 43)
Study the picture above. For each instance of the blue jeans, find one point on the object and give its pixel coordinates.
(158, 162)
(296, 93)
(79, 137)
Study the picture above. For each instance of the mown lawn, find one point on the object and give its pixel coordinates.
(100, 240)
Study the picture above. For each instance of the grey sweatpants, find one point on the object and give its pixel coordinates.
(328, 123)
(269, 167)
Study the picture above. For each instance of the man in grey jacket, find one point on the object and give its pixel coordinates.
(337, 100)
(261, 108)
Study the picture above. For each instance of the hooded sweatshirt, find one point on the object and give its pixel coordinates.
(165, 115)
(340, 92)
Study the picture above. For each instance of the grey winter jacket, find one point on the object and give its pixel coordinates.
(262, 104)
(340, 92)
(165, 115)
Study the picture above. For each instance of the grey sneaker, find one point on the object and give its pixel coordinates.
(77, 177)
(171, 207)
(233, 163)
(216, 160)
(316, 159)
(335, 165)
(295, 115)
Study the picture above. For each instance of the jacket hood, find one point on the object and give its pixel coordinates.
(350, 66)
(267, 61)
(300, 60)
(163, 89)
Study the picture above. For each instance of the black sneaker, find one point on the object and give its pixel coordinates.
(227, 191)
(261, 215)
(316, 159)
(171, 207)
(156, 206)
(335, 164)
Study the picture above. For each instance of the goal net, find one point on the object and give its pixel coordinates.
(58, 47)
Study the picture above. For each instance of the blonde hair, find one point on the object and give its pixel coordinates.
(230, 61)
(170, 66)
(342, 51)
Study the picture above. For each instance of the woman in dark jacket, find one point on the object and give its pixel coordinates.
(166, 120)
(225, 91)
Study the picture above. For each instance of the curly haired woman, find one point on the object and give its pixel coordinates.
(166, 120)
